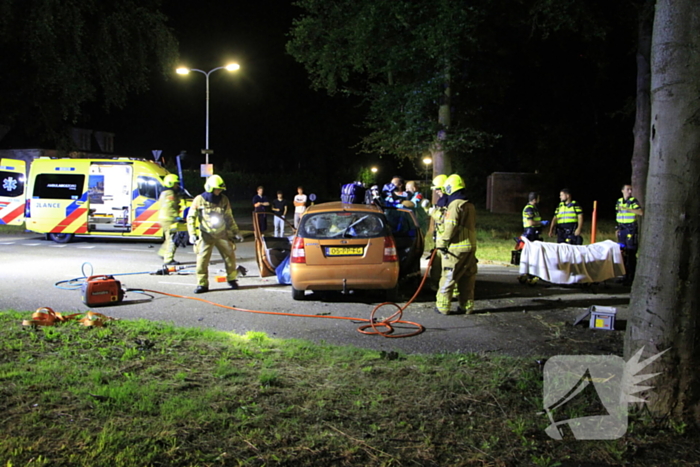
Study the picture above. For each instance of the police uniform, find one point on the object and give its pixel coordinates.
(628, 234)
(168, 218)
(459, 260)
(531, 213)
(567, 223)
(217, 228)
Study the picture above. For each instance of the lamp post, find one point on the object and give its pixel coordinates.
(185, 71)
(427, 161)
(374, 171)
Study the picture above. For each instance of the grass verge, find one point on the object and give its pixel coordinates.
(144, 393)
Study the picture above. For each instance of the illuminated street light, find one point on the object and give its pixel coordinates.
(185, 71)
(427, 161)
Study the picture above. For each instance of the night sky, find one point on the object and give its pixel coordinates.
(263, 115)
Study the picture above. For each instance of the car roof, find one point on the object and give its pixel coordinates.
(339, 206)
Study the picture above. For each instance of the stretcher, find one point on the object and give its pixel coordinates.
(561, 263)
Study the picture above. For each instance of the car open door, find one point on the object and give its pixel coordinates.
(12, 197)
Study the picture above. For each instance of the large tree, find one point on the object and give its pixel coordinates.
(665, 301)
(400, 56)
(58, 56)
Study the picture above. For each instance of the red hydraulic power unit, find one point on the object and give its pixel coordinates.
(102, 291)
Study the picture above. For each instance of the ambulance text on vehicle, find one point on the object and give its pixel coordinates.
(95, 197)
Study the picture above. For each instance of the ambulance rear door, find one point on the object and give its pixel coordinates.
(109, 196)
(12, 199)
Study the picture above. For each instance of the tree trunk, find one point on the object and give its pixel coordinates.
(665, 301)
(441, 161)
(640, 155)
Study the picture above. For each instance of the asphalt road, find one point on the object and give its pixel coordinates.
(512, 318)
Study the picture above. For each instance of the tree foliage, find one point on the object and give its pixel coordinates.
(399, 56)
(56, 56)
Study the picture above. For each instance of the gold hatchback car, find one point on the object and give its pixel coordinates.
(347, 247)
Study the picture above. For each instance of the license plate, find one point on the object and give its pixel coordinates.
(344, 251)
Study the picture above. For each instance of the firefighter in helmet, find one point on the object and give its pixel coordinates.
(457, 242)
(210, 224)
(169, 217)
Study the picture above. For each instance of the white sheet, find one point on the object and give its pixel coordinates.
(561, 263)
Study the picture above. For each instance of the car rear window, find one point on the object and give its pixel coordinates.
(343, 225)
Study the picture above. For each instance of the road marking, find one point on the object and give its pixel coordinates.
(128, 249)
(57, 246)
(7, 243)
(86, 247)
(30, 244)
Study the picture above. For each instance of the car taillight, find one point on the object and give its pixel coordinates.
(298, 253)
(390, 250)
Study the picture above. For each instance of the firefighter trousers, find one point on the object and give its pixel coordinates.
(204, 248)
(167, 249)
(460, 274)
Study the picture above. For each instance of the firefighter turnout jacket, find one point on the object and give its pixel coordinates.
(170, 201)
(212, 217)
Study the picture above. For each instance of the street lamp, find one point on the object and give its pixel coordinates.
(427, 161)
(185, 71)
(374, 171)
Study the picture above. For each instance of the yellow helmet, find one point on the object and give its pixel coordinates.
(170, 180)
(453, 183)
(439, 182)
(215, 182)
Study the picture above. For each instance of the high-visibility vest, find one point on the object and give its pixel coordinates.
(531, 213)
(625, 204)
(568, 213)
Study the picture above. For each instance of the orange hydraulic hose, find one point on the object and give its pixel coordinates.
(382, 328)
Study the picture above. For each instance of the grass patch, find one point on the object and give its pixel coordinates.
(144, 393)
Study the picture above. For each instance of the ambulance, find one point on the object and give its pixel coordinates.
(94, 197)
(12, 178)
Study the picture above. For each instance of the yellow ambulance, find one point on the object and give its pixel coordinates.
(12, 178)
(94, 197)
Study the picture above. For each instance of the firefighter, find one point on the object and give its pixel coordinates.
(211, 214)
(567, 220)
(437, 214)
(628, 209)
(457, 243)
(169, 217)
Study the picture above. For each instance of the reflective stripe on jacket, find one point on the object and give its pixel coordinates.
(568, 213)
(169, 206)
(626, 217)
(214, 219)
(531, 213)
(459, 234)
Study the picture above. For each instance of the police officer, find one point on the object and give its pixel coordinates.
(169, 217)
(458, 245)
(211, 213)
(628, 209)
(567, 220)
(532, 221)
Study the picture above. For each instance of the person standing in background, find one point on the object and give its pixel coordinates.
(169, 217)
(261, 204)
(279, 209)
(628, 209)
(567, 220)
(299, 205)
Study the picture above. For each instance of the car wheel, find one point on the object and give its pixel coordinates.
(297, 294)
(61, 237)
(392, 294)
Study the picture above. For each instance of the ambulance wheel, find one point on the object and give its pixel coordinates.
(297, 294)
(61, 237)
